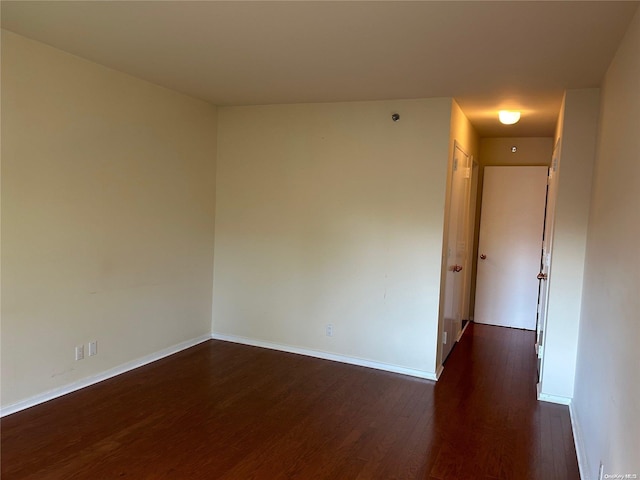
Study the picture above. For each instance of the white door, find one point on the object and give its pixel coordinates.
(456, 249)
(547, 245)
(509, 248)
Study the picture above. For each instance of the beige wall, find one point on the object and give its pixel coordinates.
(107, 217)
(607, 382)
(531, 151)
(577, 139)
(332, 213)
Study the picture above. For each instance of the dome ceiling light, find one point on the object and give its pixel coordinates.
(508, 117)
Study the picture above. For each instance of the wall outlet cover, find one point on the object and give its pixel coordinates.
(79, 352)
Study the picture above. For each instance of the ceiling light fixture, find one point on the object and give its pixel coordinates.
(508, 117)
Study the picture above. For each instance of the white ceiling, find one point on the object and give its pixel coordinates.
(488, 55)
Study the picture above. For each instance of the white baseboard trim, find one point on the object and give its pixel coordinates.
(93, 379)
(328, 356)
(578, 439)
(545, 397)
(462, 331)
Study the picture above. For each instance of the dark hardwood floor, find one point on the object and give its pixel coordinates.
(226, 411)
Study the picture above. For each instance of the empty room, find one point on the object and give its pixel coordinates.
(320, 240)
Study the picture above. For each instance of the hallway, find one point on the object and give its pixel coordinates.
(228, 411)
(499, 429)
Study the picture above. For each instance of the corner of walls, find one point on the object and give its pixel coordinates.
(215, 216)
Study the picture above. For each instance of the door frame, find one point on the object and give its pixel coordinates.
(547, 257)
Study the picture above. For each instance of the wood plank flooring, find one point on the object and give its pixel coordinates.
(226, 411)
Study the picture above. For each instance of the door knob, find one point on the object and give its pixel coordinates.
(458, 268)
(542, 276)
(483, 256)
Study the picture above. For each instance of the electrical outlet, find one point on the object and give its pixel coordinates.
(601, 472)
(79, 352)
(329, 330)
(93, 348)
